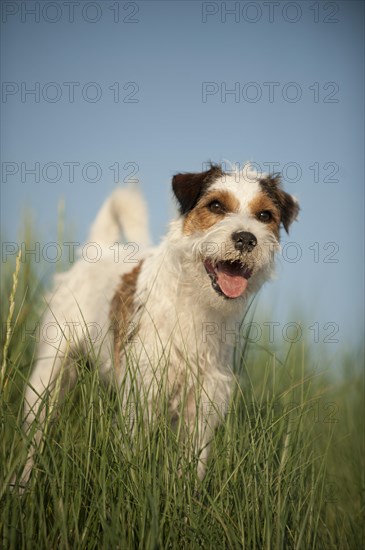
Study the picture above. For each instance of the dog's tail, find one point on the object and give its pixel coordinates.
(124, 217)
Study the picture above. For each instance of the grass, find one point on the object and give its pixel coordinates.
(285, 468)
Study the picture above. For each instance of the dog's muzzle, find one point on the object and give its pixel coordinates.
(230, 277)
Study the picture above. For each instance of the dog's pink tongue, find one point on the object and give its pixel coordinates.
(231, 284)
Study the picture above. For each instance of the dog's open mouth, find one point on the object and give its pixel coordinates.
(229, 279)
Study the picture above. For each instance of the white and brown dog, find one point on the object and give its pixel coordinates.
(150, 316)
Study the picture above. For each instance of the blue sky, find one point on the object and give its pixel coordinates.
(153, 88)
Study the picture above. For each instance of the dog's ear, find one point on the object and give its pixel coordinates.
(287, 204)
(189, 187)
(289, 210)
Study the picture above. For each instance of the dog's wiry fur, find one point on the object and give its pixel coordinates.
(152, 308)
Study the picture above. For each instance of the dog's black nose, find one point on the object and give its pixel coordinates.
(244, 241)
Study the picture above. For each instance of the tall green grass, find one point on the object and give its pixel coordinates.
(285, 468)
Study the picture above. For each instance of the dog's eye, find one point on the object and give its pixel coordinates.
(265, 216)
(216, 207)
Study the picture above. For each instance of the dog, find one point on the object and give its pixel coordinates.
(160, 308)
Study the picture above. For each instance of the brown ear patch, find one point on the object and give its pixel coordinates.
(121, 311)
(287, 205)
(202, 217)
(189, 187)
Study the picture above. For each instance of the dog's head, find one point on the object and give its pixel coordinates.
(231, 224)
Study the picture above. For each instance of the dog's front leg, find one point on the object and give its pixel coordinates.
(201, 417)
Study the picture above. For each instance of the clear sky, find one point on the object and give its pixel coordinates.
(150, 88)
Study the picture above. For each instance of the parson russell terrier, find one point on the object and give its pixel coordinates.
(150, 305)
